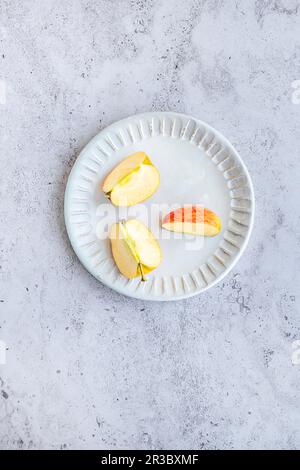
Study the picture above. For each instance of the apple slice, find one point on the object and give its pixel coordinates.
(134, 248)
(132, 181)
(195, 220)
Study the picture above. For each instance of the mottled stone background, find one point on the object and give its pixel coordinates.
(86, 367)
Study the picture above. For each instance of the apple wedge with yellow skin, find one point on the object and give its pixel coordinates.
(135, 249)
(133, 180)
(194, 220)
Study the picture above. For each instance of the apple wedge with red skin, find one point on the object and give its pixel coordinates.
(193, 220)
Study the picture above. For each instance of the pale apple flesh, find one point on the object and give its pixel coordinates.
(134, 180)
(122, 254)
(135, 250)
(124, 168)
(193, 220)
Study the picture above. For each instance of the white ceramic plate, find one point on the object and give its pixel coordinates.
(197, 165)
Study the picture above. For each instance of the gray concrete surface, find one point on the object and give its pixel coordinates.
(85, 367)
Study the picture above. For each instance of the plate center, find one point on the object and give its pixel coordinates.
(187, 176)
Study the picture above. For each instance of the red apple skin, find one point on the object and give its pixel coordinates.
(194, 215)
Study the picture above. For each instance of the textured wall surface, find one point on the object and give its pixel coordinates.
(84, 366)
